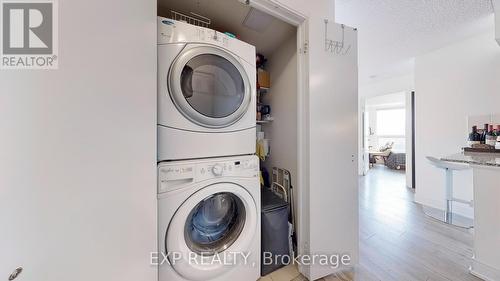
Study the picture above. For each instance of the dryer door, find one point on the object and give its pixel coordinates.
(209, 86)
(210, 230)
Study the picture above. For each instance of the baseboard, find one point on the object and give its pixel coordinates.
(484, 271)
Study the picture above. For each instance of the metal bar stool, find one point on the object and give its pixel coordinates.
(447, 216)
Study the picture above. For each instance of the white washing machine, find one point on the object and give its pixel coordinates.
(206, 93)
(209, 219)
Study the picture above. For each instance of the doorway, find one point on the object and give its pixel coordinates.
(388, 144)
(279, 34)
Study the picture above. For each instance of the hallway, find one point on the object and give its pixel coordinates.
(398, 242)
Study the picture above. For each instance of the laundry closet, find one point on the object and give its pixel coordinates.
(277, 93)
(203, 90)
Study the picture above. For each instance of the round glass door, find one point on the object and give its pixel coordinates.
(209, 86)
(218, 218)
(214, 224)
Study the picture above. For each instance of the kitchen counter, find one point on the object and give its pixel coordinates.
(486, 185)
(475, 158)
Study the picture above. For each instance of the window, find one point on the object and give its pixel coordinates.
(391, 122)
(391, 126)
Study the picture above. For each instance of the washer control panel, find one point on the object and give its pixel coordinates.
(172, 176)
(230, 168)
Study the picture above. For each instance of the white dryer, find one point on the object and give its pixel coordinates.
(209, 219)
(206, 93)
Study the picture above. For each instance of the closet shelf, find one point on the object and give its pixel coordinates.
(264, 121)
(262, 91)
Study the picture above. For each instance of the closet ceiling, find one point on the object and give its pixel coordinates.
(393, 32)
(228, 15)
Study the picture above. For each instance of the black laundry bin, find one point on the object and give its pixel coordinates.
(274, 232)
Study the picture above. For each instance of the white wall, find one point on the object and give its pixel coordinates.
(387, 86)
(497, 19)
(323, 9)
(496, 4)
(282, 67)
(386, 101)
(78, 150)
(452, 83)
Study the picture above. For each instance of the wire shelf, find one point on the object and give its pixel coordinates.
(193, 18)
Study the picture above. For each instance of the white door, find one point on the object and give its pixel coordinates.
(333, 113)
(78, 150)
(209, 86)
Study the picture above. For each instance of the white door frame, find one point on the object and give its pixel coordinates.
(300, 21)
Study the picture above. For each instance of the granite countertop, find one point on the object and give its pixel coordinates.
(475, 158)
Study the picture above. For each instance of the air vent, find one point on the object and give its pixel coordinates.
(257, 20)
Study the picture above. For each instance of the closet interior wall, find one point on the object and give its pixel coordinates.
(282, 97)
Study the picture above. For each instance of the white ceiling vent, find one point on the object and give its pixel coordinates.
(257, 20)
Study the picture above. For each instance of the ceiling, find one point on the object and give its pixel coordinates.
(390, 100)
(393, 32)
(228, 15)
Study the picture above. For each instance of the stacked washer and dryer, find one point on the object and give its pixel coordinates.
(208, 175)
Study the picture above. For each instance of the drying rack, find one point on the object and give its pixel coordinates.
(282, 186)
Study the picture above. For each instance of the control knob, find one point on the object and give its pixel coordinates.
(217, 170)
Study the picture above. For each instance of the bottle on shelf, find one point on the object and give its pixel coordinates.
(474, 137)
(490, 138)
(484, 133)
(497, 146)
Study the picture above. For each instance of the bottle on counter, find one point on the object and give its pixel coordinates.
(497, 146)
(474, 137)
(491, 138)
(484, 133)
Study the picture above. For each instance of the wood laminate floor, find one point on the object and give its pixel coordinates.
(397, 241)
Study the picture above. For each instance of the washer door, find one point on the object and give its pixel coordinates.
(212, 225)
(209, 86)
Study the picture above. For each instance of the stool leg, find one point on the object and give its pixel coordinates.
(449, 196)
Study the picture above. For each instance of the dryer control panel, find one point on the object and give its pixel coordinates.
(172, 176)
(171, 31)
